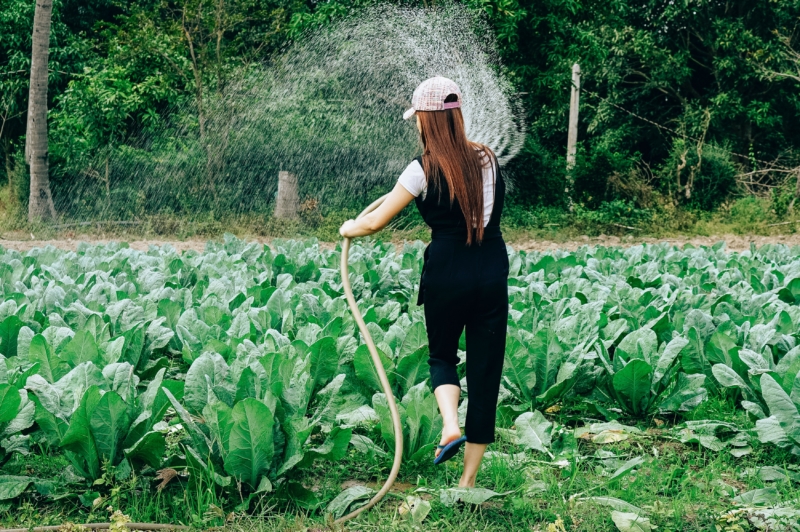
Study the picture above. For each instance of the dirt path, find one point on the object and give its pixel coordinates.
(734, 242)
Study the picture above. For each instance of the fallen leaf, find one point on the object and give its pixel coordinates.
(610, 436)
(352, 495)
(415, 507)
(614, 503)
(630, 522)
(165, 476)
(758, 497)
(469, 495)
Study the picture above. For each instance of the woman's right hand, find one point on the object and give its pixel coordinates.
(346, 229)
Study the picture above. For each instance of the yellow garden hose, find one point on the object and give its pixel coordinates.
(387, 389)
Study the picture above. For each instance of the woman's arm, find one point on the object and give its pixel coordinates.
(373, 222)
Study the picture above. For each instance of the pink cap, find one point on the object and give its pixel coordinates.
(430, 96)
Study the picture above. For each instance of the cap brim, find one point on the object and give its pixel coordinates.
(408, 114)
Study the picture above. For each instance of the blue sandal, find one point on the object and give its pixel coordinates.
(449, 450)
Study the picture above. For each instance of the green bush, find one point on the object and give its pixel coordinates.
(518, 216)
(592, 172)
(749, 210)
(619, 212)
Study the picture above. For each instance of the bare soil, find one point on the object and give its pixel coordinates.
(733, 242)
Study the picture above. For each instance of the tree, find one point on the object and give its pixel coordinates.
(40, 203)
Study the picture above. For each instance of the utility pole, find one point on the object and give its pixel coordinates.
(572, 135)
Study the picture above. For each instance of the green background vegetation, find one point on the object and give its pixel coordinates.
(720, 75)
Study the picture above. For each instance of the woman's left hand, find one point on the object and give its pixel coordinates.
(346, 228)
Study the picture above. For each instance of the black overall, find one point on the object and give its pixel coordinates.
(466, 287)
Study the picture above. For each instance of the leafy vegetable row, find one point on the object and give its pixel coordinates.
(242, 365)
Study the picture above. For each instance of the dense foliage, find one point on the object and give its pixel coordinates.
(717, 73)
(242, 366)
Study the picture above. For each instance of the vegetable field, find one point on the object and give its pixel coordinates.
(199, 388)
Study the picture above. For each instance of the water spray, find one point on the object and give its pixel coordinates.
(387, 388)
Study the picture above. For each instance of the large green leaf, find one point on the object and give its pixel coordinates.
(381, 406)
(12, 486)
(250, 446)
(451, 496)
(534, 431)
(332, 449)
(9, 331)
(279, 307)
(770, 431)
(781, 407)
(324, 361)
(297, 432)
(78, 437)
(199, 439)
(134, 344)
(297, 395)
(791, 292)
(547, 355)
(342, 502)
(416, 338)
(694, 359)
(728, 378)
(667, 358)
(687, 393)
(209, 372)
(423, 422)
(82, 348)
(631, 522)
(109, 424)
(149, 449)
(9, 403)
(329, 401)
(632, 385)
(365, 368)
(641, 344)
(51, 367)
(519, 370)
(413, 368)
(51, 426)
(218, 418)
(278, 368)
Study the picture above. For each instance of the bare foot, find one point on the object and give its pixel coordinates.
(449, 433)
(466, 482)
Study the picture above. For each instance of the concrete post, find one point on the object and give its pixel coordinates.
(288, 201)
(572, 135)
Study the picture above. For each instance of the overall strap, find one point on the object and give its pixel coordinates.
(499, 194)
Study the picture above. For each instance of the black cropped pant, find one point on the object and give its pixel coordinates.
(466, 287)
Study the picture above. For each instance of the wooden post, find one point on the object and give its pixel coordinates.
(572, 135)
(288, 201)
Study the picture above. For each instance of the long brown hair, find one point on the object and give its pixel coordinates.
(448, 154)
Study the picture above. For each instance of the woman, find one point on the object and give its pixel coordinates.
(456, 185)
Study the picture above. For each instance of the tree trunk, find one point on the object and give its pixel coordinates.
(288, 202)
(6, 150)
(40, 203)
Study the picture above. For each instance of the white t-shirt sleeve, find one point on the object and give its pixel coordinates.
(413, 179)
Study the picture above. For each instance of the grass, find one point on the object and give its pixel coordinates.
(681, 487)
(746, 216)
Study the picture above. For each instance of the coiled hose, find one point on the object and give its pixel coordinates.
(387, 389)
